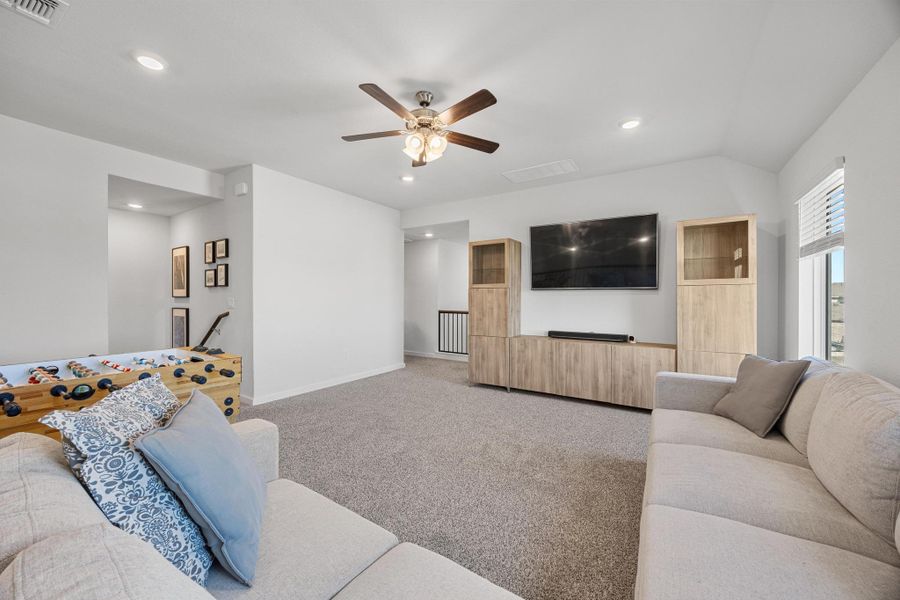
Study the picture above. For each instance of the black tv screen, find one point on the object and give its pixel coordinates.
(606, 253)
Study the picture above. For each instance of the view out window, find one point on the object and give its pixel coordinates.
(834, 281)
(821, 268)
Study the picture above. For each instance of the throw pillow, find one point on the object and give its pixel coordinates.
(122, 483)
(202, 460)
(761, 393)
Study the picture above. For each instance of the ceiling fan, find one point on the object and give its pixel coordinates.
(426, 130)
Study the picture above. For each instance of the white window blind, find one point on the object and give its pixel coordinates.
(822, 216)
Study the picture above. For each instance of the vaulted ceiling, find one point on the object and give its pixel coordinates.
(275, 82)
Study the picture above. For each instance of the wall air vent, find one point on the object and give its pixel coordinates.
(46, 12)
(551, 169)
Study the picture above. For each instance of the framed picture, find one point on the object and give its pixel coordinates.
(222, 275)
(181, 276)
(209, 253)
(180, 327)
(210, 277)
(222, 248)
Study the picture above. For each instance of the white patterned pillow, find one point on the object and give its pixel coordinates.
(121, 482)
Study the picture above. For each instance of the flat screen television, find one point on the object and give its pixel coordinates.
(601, 254)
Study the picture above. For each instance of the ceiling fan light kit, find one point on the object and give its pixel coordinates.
(426, 130)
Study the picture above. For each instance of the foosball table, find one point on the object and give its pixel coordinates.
(28, 391)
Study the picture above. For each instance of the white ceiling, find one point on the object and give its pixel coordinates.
(275, 83)
(154, 199)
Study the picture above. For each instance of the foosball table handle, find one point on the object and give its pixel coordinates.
(178, 372)
(200, 379)
(108, 385)
(143, 376)
(60, 391)
(223, 372)
(9, 406)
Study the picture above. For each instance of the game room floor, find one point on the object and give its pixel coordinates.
(539, 494)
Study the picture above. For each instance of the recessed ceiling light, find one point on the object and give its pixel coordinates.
(646, 238)
(407, 178)
(429, 234)
(150, 62)
(135, 205)
(573, 249)
(630, 123)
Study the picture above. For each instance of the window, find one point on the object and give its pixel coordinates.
(821, 269)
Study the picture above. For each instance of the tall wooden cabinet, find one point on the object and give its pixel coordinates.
(716, 294)
(495, 288)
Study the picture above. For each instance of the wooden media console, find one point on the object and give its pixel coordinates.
(617, 373)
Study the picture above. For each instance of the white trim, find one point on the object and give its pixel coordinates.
(304, 389)
(441, 355)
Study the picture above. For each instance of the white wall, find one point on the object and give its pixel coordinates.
(453, 275)
(435, 278)
(53, 251)
(691, 189)
(228, 219)
(420, 299)
(865, 129)
(139, 274)
(327, 287)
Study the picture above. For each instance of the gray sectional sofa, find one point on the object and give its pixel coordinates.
(809, 512)
(56, 543)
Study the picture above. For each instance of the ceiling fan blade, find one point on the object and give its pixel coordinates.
(470, 141)
(371, 136)
(471, 105)
(383, 97)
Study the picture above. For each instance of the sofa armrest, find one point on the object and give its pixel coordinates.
(688, 391)
(260, 440)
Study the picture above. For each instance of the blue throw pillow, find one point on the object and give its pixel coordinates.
(201, 459)
(121, 482)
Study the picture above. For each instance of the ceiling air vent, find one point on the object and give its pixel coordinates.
(551, 169)
(46, 12)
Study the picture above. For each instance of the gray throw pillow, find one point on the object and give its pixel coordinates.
(201, 459)
(761, 393)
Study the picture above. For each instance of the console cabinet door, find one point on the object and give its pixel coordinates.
(583, 370)
(633, 373)
(489, 312)
(534, 364)
(489, 360)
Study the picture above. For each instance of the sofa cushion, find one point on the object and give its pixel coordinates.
(39, 494)
(310, 548)
(686, 554)
(757, 491)
(202, 461)
(409, 572)
(794, 424)
(761, 392)
(122, 483)
(854, 447)
(702, 429)
(98, 562)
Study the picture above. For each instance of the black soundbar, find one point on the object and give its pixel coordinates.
(590, 335)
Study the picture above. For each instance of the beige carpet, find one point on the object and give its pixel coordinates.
(539, 494)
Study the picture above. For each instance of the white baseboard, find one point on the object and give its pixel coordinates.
(441, 355)
(256, 401)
